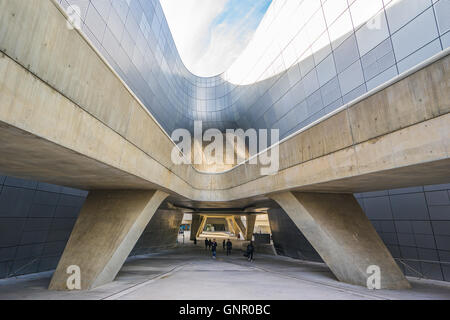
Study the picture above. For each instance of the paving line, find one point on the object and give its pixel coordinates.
(137, 286)
(316, 283)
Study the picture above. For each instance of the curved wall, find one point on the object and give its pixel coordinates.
(306, 59)
(133, 35)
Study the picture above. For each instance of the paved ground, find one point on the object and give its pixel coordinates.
(190, 273)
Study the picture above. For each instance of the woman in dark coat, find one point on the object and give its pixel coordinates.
(250, 250)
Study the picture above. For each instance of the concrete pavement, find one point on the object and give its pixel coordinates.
(189, 273)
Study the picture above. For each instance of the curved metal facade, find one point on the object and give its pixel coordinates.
(306, 59)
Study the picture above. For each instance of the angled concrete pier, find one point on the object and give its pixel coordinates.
(106, 231)
(338, 229)
(251, 219)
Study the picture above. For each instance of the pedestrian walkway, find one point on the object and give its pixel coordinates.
(189, 272)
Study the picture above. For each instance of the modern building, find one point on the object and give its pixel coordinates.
(335, 77)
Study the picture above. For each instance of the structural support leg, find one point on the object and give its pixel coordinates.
(202, 226)
(338, 229)
(109, 225)
(251, 219)
(230, 225)
(195, 225)
(235, 226)
(241, 226)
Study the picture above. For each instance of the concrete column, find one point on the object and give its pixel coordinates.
(235, 226)
(230, 224)
(107, 229)
(251, 219)
(202, 226)
(195, 225)
(338, 229)
(241, 226)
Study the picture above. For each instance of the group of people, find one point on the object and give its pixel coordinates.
(211, 245)
(228, 246)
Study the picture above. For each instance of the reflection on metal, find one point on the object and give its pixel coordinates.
(301, 63)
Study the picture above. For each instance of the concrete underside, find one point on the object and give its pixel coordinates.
(190, 273)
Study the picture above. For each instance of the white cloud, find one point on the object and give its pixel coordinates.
(208, 48)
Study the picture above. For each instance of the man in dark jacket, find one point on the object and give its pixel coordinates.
(229, 247)
(250, 250)
(214, 248)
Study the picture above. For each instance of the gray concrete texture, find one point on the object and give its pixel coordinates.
(341, 153)
(340, 232)
(190, 273)
(106, 231)
(161, 232)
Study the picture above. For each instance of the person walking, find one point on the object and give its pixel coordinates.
(206, 243)
(214, 248)
(223, 244)
(250, 250)
(229, 247)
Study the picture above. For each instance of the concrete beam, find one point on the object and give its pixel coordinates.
(230, 224)
(195, 225)
(251, 220)
(107, 229)
(241, 226)
(338, 229)
(161, 232)
(235, 226)
(202, 226)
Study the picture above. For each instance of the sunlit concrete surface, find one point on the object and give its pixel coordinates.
(189, 272)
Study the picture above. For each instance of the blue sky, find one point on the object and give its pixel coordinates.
(210, 34)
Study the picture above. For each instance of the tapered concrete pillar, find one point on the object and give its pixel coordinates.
(108, 227)
(241, 226)
(251, 220)
(202, 226)
(195, 225)
(338, 229)
(230, 224)
(235, 226)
